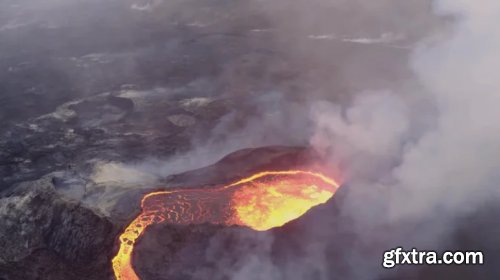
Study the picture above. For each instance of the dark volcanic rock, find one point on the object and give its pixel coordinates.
(245, 162)
(43, 236)
(119, 126)
(196, 251)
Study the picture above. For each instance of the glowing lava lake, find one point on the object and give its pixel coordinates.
(262, 201)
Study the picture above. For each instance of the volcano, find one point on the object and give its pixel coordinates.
(262, 201)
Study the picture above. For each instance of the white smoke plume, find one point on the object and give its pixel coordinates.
(440, 161)
(432, 153)
(454, 162)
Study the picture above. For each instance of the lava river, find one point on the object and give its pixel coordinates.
(261, 202)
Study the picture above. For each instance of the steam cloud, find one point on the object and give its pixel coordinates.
(431, 152)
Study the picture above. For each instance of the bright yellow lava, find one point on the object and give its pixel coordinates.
(263, 206)
(263, 201)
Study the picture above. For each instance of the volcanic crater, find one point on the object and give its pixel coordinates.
(261, 201)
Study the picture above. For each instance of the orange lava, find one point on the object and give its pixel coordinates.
(261, 202)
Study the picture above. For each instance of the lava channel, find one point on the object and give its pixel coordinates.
(261, 202)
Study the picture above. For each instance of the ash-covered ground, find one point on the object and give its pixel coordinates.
(102, 101)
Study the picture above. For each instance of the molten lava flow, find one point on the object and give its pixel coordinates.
(267, 203)
(261, 202)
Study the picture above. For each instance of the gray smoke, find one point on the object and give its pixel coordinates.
(431, 152)
(453, 163)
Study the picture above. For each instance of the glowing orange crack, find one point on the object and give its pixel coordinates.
(262, 201)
